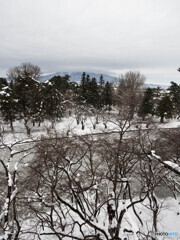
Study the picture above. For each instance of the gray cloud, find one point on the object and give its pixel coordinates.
(102, 35)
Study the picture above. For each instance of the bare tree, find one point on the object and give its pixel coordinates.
(87, 188)
(12, 156)
(24, 71)
(129, 91)
(80, 185)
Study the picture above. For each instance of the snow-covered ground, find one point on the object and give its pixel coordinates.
(69, 127)
(169, 216)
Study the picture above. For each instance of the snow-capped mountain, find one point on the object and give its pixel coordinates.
(76, 76)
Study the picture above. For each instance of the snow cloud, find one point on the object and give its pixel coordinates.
(101, 36)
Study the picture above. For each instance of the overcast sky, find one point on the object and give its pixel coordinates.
(105, 36)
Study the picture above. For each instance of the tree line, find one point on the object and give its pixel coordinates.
(23, 97)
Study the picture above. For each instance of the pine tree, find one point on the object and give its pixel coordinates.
(8, 105)
(108, 95)
(83, 88)
(175, 93)
(88, 89)
(52, 102)
(93, 94)
(101, 81)
(147, 105)
(24, 82)
(165, 108)
(61, 83)
(26, 87)
(101, 90)
(3, 83)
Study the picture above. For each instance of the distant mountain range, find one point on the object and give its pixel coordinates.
(76, 77)
(150, 85)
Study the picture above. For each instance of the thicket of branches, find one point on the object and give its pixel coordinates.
(87, 188)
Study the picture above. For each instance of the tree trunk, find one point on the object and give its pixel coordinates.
(82, 125)
(155, 212)
(162, 119)
(11, 124)
(28, 129)
(105, 125)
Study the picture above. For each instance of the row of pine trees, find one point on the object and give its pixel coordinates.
(23, 97)
(27, 99)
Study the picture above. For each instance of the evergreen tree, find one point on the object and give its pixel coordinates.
(101, 90)
(51, 107)
(61, 83)
(87, 96)
(36, 103)
(83, 88)
(147, 105)
(3, 83)
(165, 108)
(87, 80)
(93, 94)
(90, 92)
(26, 87)
(108, 95)
(101, 81)
(175, 93)
(24, 83)
(27, 93)
(8, 105)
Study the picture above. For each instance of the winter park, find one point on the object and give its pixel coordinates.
(89, 125)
